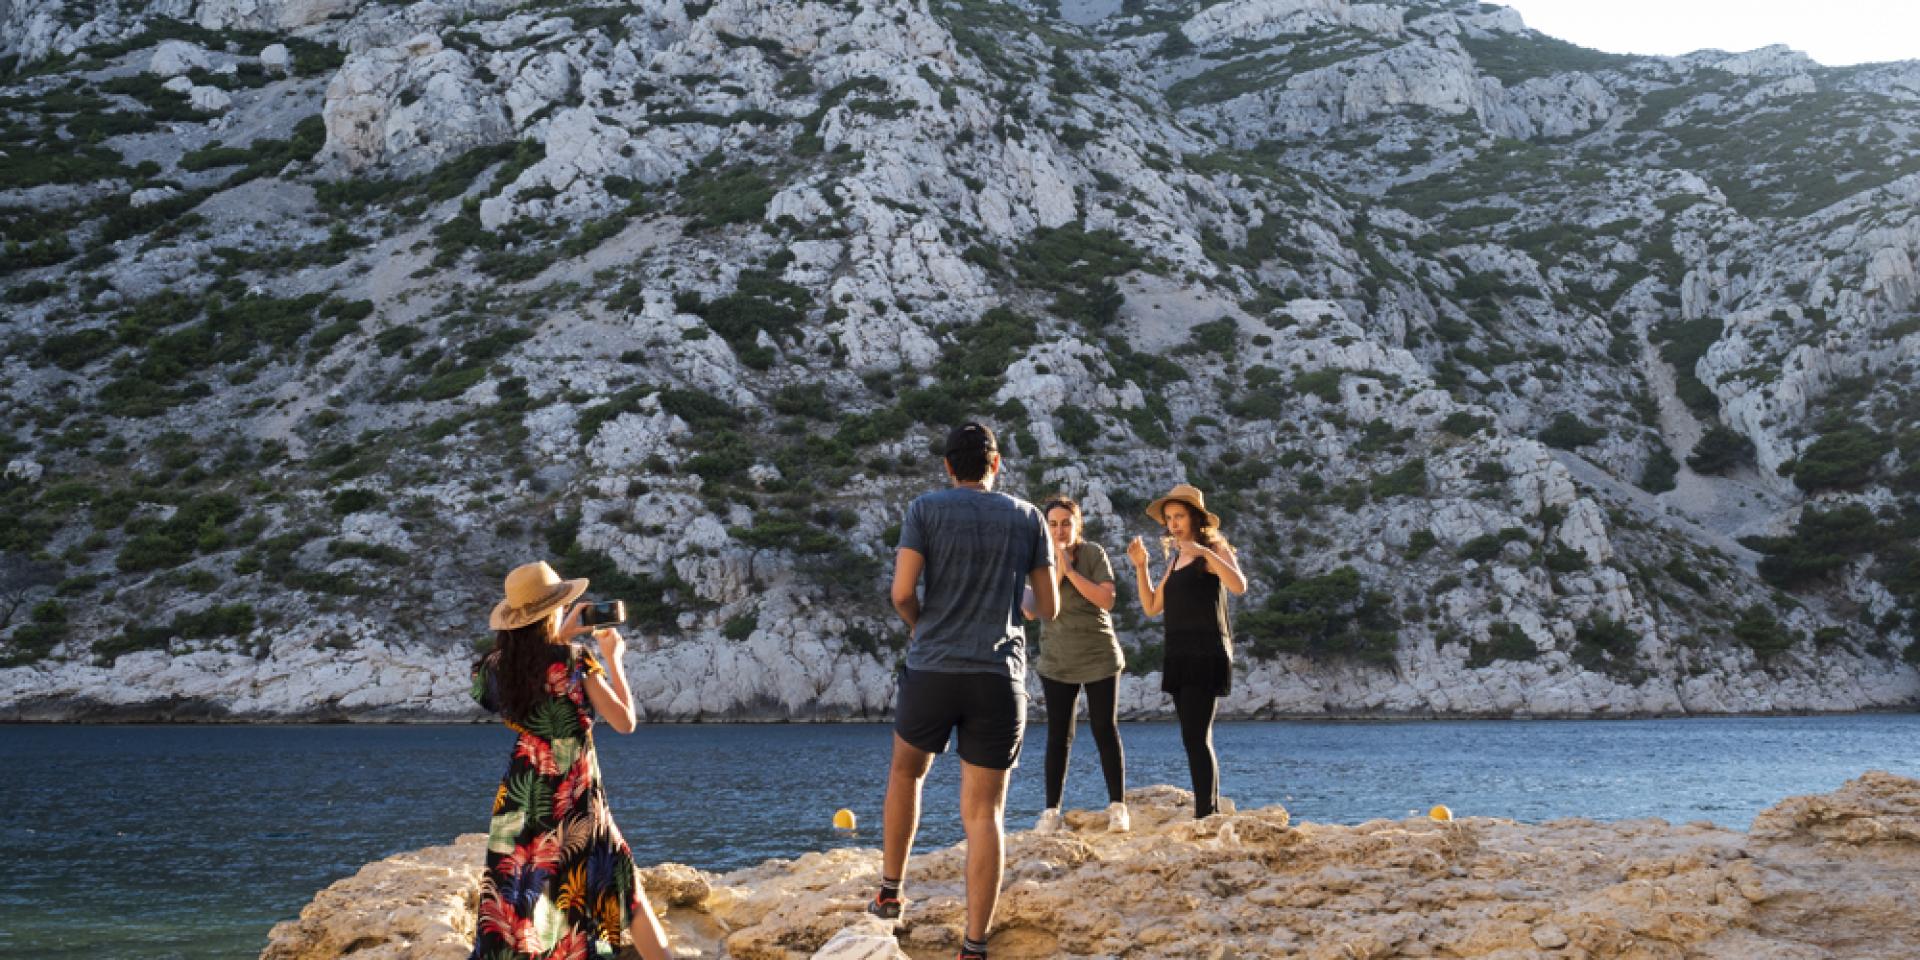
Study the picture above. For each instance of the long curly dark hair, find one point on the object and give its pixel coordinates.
(1204, 532)
(521, 658)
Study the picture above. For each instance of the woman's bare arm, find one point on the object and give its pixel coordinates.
(1225, 564)
(1151, 601)
(608, 691)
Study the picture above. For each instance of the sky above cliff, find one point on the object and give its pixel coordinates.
(1834, 32)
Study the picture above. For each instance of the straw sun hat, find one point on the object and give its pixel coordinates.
(533, 591)
(1185, 493)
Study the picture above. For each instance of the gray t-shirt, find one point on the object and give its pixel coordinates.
(979, 548)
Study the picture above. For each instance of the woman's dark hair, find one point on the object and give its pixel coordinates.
(520, 667)
(1204, 532)
(1060, 501)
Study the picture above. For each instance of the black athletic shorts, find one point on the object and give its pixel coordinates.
(990, 711)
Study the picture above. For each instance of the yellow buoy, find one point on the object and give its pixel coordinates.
(1441, 813)
(843, 819)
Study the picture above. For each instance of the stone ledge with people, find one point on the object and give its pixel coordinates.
(1818, 876)
(1161, 872)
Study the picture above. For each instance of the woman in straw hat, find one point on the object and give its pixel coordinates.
(1202, 569)
(559, 874)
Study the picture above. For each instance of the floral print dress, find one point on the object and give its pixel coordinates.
(559, 874)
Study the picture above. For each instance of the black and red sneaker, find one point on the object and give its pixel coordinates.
(966, 954)
(885, 907)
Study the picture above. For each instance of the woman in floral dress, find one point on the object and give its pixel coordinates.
(559, 874)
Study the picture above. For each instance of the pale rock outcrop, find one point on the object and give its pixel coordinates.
(630, 438)
(36, 29)
(1822, 875)
(1584, 531)
(1557, 106)
(269, 15)
(24, 471)
(581, 152)
(1438, 76)
(1891, 274)
(173, 58)
(1794, 85)
(408, 107)
(209, 99)
(427, 901)
(329, 665)
(1247, 20)
(276, 57)
(1771, 61)
(540, 81)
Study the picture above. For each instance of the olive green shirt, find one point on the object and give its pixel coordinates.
(1079, 646)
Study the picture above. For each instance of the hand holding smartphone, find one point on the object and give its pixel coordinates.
(604, 613)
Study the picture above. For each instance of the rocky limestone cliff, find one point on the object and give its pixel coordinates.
(1821, 876)
(1532, 380)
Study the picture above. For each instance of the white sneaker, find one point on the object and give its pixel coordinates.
(1050, 821)
(1118, 821)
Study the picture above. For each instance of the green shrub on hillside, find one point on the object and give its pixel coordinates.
(1841, 459)
(1515, 58)
(1488, 546)
(196, 526)
(1682, 345)
(1661, 468)
(20, 169)
(31, 642)
(1220, 337)
(1605, 645)
(1077, 427)
(1822, 543)
(1407, 480)
(1569, 432)
(1504, 642)
(1331, 616)
(1720, 450)
(1463, 424)
(737, 195)
(71, 351)
(761, 302)
(230, 620)
(1762, 633)
(1324, 384)
(1080, 268)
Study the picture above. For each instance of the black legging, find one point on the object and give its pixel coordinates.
(1103, 709)
(1194, 704)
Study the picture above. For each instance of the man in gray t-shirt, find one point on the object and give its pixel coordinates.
(966, 662)
(976, 548)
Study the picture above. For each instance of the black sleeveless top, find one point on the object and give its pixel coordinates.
(1199, 635)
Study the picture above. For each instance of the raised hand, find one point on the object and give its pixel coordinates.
(612, 645)
(1137, 552)
(571, 626)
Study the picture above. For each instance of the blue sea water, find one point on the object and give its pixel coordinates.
(160, 842)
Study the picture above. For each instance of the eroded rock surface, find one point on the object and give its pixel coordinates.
(1828, 876)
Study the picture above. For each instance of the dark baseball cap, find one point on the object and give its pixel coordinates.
(971, 438)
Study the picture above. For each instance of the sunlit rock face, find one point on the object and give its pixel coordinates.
(1530, 380)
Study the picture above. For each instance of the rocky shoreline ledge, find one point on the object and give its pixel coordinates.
(1826, 876)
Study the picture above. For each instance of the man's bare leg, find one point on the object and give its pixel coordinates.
(902, 813)
(983, 806)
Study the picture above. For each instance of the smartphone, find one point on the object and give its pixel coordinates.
(604, 613)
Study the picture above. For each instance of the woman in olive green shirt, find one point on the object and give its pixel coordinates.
(1080, 649)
